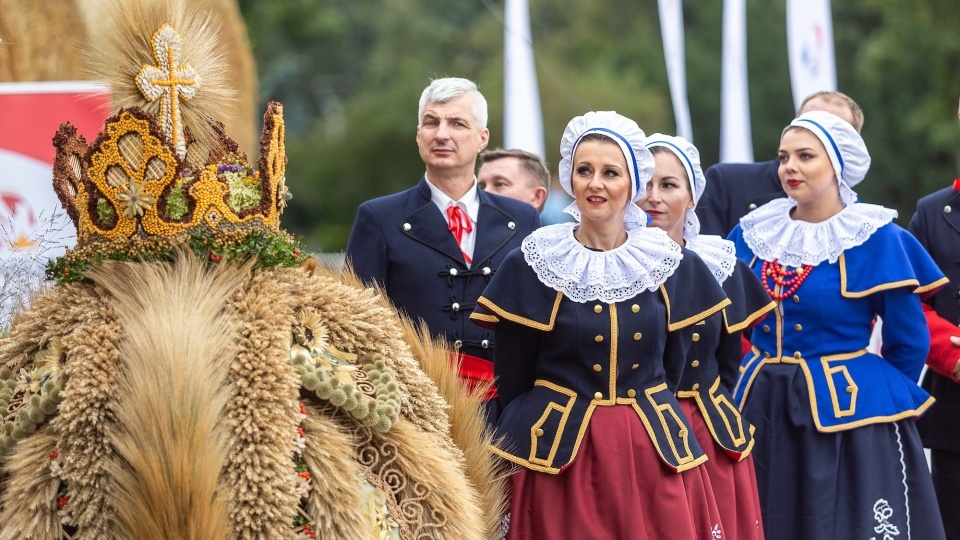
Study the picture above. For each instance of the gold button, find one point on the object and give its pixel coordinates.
(635, 308)
(695, 363)
(597, 308)
(539, 433)
(631, 393)
(637, 336)
(597, 367)
(766, 328)
(797, 355)
(598, 395)
(695, 387)
(635, 366)
(598, 339)
(796, 299)
(849, 389)
(797, 327)
(696, 336)
(682, 434)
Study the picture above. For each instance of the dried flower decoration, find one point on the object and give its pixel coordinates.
(28, 383)
(52, 359)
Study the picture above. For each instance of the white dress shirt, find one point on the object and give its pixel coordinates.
(469, 204)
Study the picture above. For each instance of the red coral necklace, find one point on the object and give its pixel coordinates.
(788, 280)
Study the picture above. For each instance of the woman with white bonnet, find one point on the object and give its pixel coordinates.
(837, 453)
(714, 356)
(594, 320)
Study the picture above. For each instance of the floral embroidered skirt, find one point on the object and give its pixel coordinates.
(870, 482)
(734, 483)
(617, 487)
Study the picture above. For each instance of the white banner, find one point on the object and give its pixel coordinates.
(522, 119)
(736, 141)
(671, 29)
(810, 48)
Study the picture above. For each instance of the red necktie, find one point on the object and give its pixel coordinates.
(458, 223)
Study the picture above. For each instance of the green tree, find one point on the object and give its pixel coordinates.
(350, 74)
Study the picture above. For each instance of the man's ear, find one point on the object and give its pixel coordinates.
(539, 197)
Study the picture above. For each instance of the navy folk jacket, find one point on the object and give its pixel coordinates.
(936, 224)
(401, 242)
(735, 189)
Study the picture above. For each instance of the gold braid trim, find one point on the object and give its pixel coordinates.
(86, 411)
(31, 485)
(261, 416)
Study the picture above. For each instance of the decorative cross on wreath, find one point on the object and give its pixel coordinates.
(169, 82)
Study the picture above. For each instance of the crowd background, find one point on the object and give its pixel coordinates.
(347, 72)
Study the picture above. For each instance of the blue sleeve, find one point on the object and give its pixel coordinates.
(906, 339)
(367, 249)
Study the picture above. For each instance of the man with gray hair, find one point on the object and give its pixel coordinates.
(434, 247)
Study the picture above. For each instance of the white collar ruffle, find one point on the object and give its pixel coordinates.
(643, 262)
(719, 254)
(772, 234)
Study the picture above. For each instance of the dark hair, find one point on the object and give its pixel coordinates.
(531, 162)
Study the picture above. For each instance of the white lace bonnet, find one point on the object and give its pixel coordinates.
(628, 135)
(689, 157)
(844, 146)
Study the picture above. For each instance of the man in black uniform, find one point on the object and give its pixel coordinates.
(733, 189)
(936, 224)
(434, 247)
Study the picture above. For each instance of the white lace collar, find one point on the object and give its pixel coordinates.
(718, 254)
(643, 262)
(772, 234)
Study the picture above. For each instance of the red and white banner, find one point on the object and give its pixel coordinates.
(33, 225)
(810, 48)
(30, 114)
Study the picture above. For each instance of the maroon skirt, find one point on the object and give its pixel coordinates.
(617, 487)
(734, 483)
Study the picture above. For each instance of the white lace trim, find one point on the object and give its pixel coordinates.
(691, 225)
(772, 234)
(718, 254)
(643, 262)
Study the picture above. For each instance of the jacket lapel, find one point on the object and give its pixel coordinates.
(494, 229)
(951, 211)
(427, 225)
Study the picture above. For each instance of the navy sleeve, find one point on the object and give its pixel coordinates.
(514, 360)
(713, 205)
(729, 355)
(675, 355)
(367, 249)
